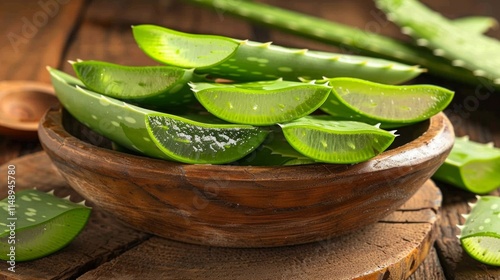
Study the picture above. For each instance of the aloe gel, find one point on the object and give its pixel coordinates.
(36, 224)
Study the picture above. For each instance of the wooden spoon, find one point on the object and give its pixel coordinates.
(22, 105)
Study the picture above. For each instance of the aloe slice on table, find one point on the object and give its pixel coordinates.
(325, 139)
(392, 106)
(261, 103)
(471, 166)
(35, 224)
(152, 133)
(480, 235)
(470, 50)
(162, 86)
(244, 60)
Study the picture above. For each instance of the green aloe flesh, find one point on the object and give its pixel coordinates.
(35, 224)
(325, 139)
(152, 133)
(471, 166)
(480, 235)
(475, 24)
(359, 40)
(392, 106)
(243, 60)
(471, 50)
(150, 85)
(261, 103)
(275, 151)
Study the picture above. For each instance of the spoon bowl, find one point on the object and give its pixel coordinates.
(22, 105)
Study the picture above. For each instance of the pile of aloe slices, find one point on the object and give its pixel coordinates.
(217, 99)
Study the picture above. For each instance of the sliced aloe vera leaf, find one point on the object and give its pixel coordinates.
(480, 235)
(140, 129)
(471, 166)
(325, 139)
(471, 50)
(244, 60)
(475, 24)
(151, 85)
(392, 106)
(35, 224)
(193, 142)
(260, 103)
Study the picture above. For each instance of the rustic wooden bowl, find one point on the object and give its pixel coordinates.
(22, 105)
(241, 206)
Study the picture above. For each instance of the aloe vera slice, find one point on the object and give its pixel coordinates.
(480, 235)
(35, 224)
(392, 106)
(244, 60)
(471, 166)
(325, 139)
(260, 103)
(140, 129)
(151, 85)
(471, 50)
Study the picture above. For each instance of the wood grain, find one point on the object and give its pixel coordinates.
(36, 35)
(391, 249)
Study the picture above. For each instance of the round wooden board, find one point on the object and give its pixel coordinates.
(390, 249)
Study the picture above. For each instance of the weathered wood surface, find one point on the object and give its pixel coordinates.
(103, 33)
(393, 248)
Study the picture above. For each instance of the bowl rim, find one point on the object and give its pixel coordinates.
(435, 141)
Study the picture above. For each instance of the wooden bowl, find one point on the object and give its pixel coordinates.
(242, 206)
(22, 105)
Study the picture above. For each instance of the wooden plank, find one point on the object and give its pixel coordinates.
(387, 250)
(102, 239)
(36, 36)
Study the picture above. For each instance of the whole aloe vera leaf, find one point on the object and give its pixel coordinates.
(261, 103)
(471, 166)
(362, 41)
(161, 86)
(244, 60)
(152, 133)
(325, 139)
(36, 224)
(475, 24)
(480, 235)
(390, 105)
(473, 51)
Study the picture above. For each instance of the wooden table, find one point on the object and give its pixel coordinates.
(50, 32)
